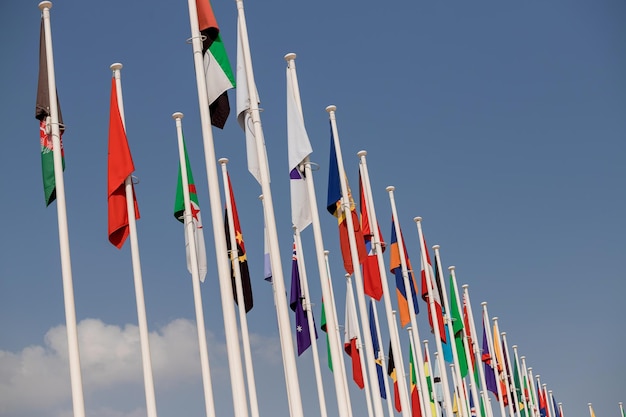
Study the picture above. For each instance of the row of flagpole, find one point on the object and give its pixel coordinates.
(304, 212)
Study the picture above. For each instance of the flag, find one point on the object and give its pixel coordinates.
(217, 71)
(350, 340)
(42, 113)
(334, 207)
(543, 406)
(427, 281)
(241, 249)
(372, 284)
(429, 384)
(468, 333)
(437, 384)
(457, 329)
(518, 388)
(303, 335)
(490, 376)
(391, 371)
(120, 166)
(298, 149)
(557, 410)
(179, 213)
(416, 409)
(325, 330)
(377, 352)
(499, 365)
(396, 268)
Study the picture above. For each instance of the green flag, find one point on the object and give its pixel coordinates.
(323, 327)
(457, 329)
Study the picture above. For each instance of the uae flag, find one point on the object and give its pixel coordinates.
(42, 113)
(217, 70)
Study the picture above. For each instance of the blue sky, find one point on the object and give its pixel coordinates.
(501, 124)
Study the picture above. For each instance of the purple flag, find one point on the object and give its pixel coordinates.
(303, 336)
(490, 376)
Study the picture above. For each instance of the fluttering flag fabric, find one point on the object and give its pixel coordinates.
(334, 207)
(457, 329)
(372, 284)
(543, 405)
(303, 335)
(42, 113)
(519, 393)
(396, 268)
(196, 219)
(351, 340)
(120, 166)
(437, 384)
(325, 330)
(241, 249)
(499, 365)
(427, 281)
(416, 409)
(377, 353)
(468, 333)
(391, 371)
(217, 70)
(490, 374)
(429, 384)
(298, 149)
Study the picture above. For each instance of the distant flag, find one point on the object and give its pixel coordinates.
(557, 410)
(42, 113)
(372, 284)
(472, 406)
(519, 394)
(499, 365)
(434, 289)
(217, 69)
(490, 376)
(457, 329)
(120, 166)
(376, 348)
(543, 406)
(179, 213)
(333, 206)
(437, 384)
(416, 409)
(429, 384)
(267, 263)
(298, 148)
(468, 333)
(396, 268)
(325, 330)
(303, 336)
(351, 339)
(391, 371)
(243, 258)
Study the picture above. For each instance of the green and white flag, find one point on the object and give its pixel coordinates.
(179, 213)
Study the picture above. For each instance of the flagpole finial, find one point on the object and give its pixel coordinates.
(290, 56)
(589, 404)
(261, 197)
(223, 161)
(514, 346)
(332, 108)
(523, 357)
(503, 333)
(436, 247)
(326, 252)
(177, 115)
(549, 391)
(484, 303)
(361, 154)
(45, 5)
(464, 286)
(451, 268)
(116, 66)
(390, 188)
(537, 376)
(417, 219)
(494, 319)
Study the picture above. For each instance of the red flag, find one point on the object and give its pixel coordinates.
(120, 166)
(434, 290)
(350, 339)
(372, 284)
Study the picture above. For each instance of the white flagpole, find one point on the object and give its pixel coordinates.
(409, 297)
(282, 309)
(505, 374)
(241, 306)
(358, 277)
(591, 413)
(304, 286)
(477, 354)
(468, 349)
(209, 403)
(391, 322)
(528, 379)
(621, 409)
(432, 396)
(510, 381)
(366, 384)
(520, 379)
(339, 374)
(381, 357)
(455, 355)
(134, 250)
(431, 305)
(494, 359)
(533, 392)
(221, 253)
(76, 381)
(547, 397)
(551, 405)
(561, 410)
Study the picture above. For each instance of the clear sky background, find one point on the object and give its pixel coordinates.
(502, 124)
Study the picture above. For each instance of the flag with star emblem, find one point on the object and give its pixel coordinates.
(241, 250)
(296, 300)
(179, 213)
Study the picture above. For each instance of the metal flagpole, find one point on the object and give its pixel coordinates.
(76, 382)
(304, 285)
(493, 357)
(221, 253)
(282, 309)
(358, 277)
(380, 355)
(510, 380)
(134, 250)
(209, 403)
(505, 374)
(339, 374)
